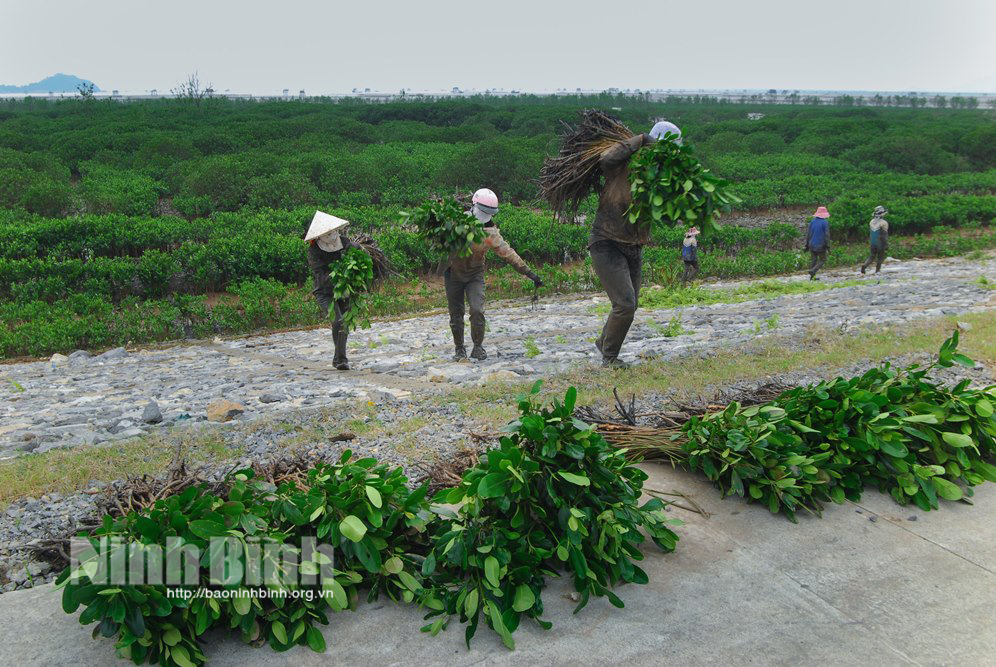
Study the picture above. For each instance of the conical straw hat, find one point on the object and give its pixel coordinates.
(322, 224)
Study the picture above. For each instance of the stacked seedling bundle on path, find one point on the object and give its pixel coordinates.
(447, 226)
(554, 498)
(894, 430)
(669, 184)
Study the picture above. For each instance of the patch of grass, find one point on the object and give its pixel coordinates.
(72, 469)
(984, 283)
(675, 298)
(828, 348)
(16, 386)
(532, 350)
(670, 330)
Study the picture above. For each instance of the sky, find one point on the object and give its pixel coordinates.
(330, 46)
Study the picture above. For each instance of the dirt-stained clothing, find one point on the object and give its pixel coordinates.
(466, 268)
(464, 280)
(611, 221)
(879, 241)
(616, 245)
(320, 262)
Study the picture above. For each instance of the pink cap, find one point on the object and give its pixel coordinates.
(822, 212)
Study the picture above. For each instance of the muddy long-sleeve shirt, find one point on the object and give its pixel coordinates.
(611, 221)
(879, 228)
(465, 268)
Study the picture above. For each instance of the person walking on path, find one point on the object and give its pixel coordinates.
(879, 228)
(327, 242)
(818, 240)
(464, 279)
(690, 255)
(616, 244)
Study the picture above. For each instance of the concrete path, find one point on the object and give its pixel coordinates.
(84, 399)
(865, 585)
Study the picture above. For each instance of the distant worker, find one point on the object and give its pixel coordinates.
(465, 277)
(616, 244)
(818, 240)
(879, 228)
(690, 255)
(327, 242)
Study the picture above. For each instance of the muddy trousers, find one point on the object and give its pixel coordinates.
(339, 331)
(471, 289)
(619, 267)
(877, 256)
(817, 261)
(691, 270)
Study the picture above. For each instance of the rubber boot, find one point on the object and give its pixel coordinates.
(478, 353)
(460, 353)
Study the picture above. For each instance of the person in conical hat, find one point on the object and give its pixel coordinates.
(327, 241)
(818, 240)
(879, 228)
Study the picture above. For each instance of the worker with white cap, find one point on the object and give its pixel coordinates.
(465, 277)
(879, 228)
(327, 242)
(690, 255)
(616, 244)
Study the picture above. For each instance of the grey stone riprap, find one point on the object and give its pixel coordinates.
(83, 399)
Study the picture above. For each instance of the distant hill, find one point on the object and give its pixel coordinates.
(59, 83)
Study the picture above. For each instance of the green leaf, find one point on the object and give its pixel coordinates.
(984, 408)
(580, 480)
(353, 528)
(394, 565)
(524, 598)
(957, 439)
(921, 419)
(492, 485)
(491, 570)
(374, 496)
(242, 604)
(180, 656)
(316, 640)
(279, 632)
(946, 489)
(207, 529)
(409, 582)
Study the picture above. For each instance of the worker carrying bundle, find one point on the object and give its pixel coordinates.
(342, 271)
(690, 255)
(641, 180)
(465, 276)
(879, 230)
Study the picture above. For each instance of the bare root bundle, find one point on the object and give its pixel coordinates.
(448, 473)
(381, 265)
(567, 179)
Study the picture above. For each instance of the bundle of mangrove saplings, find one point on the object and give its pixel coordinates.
(554, 498)
(894, 430)
(568, 179)
(668, 183)
(350, 278)
(447, 226)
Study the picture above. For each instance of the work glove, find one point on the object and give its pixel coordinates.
(537, 281)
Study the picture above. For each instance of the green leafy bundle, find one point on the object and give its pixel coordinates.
(669, 185)
(447, 226)
(363, 509)
(554, 496)
(351, 277)
(890, 429)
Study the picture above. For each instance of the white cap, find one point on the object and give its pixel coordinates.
(663, 127)
(322, 224)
